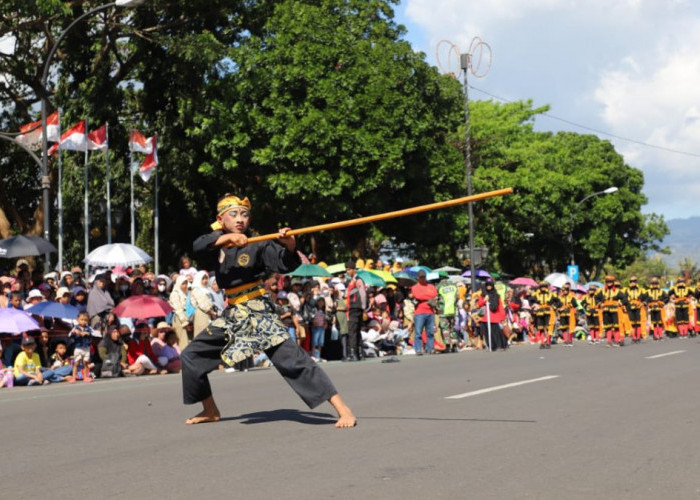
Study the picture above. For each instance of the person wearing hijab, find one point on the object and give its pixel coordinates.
(79, 298)
(161, 288)
(201, 300)
(99, 300)
(112, 351)
(67, 280)
(496, 315)
(217, 295)
(181, 321)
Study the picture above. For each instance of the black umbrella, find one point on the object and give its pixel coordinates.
(23, 246)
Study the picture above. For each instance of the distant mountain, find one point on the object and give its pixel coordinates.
(684, 241)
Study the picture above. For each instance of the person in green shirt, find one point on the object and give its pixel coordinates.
(447, 308)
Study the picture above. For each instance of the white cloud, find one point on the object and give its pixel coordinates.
(629, 67)
(656, 101)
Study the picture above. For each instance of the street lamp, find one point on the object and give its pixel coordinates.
(12, 137)
(610, 190)
(45, 182)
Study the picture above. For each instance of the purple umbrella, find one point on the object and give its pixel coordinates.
(480, 273)
(16, 321)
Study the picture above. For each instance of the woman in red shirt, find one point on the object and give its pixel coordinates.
(139, 352)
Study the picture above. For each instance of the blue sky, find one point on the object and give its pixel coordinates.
(630, 68)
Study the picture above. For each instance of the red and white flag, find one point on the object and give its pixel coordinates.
(97, 139)
(151, 160)
(139, 144)
(31, 133)
(74, 139)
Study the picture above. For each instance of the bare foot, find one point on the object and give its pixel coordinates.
(345, 416)
(203, 417)
(209, 413)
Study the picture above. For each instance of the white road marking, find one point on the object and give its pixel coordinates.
(664, 354)
(500, 387)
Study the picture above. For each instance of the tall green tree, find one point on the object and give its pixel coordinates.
(535, 230)
(318, 110)
(327, 114)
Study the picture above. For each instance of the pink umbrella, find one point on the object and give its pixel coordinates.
(142, 307)
(523, 281)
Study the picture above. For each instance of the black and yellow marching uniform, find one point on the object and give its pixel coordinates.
(682, 294)
(567, 314)
(590, 306)
(612, 301)
(545, 313)
(656, 298)
(637, 313)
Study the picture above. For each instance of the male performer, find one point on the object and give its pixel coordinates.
(545, 304)
(612, 300)
(656, 299)
(683, 306)
(593, 319)
(637, 310)
(249, 323)
(567, 314)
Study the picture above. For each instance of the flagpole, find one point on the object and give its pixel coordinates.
(131, 172)
(59, 197)
(156, 218)
(86, 208)
(109, 194)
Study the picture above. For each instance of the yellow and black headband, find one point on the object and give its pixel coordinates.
(227, 204)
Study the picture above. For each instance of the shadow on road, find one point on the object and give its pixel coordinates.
(453, 419)
(302, 417)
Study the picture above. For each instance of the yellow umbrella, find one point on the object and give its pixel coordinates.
(385, 275)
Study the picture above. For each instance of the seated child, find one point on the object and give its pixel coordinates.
(7, 377)
(28, 365)
(61, 364)
(171, 352)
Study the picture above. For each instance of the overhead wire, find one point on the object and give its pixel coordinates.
(597, 131)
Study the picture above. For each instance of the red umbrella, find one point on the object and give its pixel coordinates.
(142, 307)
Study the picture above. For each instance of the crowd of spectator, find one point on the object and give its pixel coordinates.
(428, 315)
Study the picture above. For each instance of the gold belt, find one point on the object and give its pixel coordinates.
(247, 291)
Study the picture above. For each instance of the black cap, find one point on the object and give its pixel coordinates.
(27, 340)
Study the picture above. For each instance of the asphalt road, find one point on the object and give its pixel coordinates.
(582, 422)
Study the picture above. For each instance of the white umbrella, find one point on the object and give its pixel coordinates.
(558, 279)
(448, 270)
(117, 254)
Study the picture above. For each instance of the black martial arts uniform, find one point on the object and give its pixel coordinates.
(249, 323)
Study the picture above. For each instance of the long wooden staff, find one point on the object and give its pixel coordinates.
(386, 215)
